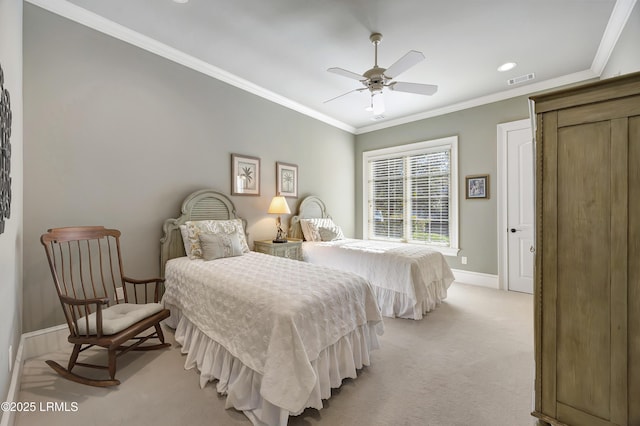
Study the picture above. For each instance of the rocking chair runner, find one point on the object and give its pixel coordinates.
(87, 271)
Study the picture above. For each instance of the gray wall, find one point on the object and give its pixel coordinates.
(11, 239)
(117, 136)
(477, 154)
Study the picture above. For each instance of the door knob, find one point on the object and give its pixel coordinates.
(513, 230)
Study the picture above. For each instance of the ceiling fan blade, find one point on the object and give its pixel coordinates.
(401, 65)
(344, 94)
(348, 74)
(417, 88)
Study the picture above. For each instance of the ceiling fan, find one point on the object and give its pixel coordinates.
(377, 78)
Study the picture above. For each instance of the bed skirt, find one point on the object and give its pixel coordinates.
(395, 304)
(242, 384)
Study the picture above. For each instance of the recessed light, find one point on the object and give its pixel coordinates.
(507, 66)
(181, 1)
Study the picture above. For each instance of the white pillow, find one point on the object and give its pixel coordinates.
(312, 228)
(231, 226)
(215, 246)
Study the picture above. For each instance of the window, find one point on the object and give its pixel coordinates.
(411, 193)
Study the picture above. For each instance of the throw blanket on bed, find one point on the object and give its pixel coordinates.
(393, 266)
(273, 314)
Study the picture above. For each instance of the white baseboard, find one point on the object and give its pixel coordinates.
(477, 278)
(31, 345)
(47, 340)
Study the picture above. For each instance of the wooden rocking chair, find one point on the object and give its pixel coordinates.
(87, 271)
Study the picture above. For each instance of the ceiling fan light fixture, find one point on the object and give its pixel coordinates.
(507, 66)
(377, 103)
(376, 79)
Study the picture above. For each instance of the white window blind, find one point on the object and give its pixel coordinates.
(411, 193)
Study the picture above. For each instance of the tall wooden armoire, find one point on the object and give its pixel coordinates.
(587, 278)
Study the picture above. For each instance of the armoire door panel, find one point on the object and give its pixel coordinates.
(570, 416)
(584, 266)
(619, 261)
(619, 108)
(633, 269)
(547, 230)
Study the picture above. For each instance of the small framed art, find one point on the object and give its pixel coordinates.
(286, 179)
(245, 175)
(477, 187)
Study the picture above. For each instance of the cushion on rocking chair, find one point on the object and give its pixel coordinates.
(118, 317)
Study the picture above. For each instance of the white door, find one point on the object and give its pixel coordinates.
(520, 207)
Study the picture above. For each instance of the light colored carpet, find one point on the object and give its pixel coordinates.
(469, 362)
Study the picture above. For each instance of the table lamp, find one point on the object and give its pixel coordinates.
(279, 206)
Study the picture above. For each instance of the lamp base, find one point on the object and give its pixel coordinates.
(280, 240)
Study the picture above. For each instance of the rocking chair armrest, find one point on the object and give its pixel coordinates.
(73, 301)
(74, 314)
(145, 281)
(155, 290)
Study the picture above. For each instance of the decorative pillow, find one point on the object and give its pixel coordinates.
(313, 226)
(330, 234)
(307, 232)
(196, 228)
(215, 246)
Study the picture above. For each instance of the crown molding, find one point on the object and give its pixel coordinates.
(94, 21)
(617, 21)
(619, 16)
(483, 100)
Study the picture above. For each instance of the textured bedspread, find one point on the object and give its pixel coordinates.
(406, 269)
(275, 315)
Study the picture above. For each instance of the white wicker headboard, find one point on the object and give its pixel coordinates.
(205, 204)
(311, 207)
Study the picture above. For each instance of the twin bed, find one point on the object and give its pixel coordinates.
(278, 334)
(408, 280)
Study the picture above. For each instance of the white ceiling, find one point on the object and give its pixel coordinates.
(281, 49)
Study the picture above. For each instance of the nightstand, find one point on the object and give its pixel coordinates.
(292, 249)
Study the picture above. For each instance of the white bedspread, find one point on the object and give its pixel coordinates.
(275, 315)
(409, 280)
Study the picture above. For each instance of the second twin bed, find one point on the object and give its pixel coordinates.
(409, 280)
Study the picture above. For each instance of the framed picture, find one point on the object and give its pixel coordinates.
(245, 175)
(286, 179)
(477, 186)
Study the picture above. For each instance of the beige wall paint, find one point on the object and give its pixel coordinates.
(117, 136)
(477, 154)
(11, 239)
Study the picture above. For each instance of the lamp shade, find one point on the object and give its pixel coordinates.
(279, 206)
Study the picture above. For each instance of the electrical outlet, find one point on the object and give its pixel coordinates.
(10, 358)
(463, 259)
(119, 293)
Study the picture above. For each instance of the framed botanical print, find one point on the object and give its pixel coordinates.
(286, 179)
(477, 186)
(245, 175)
